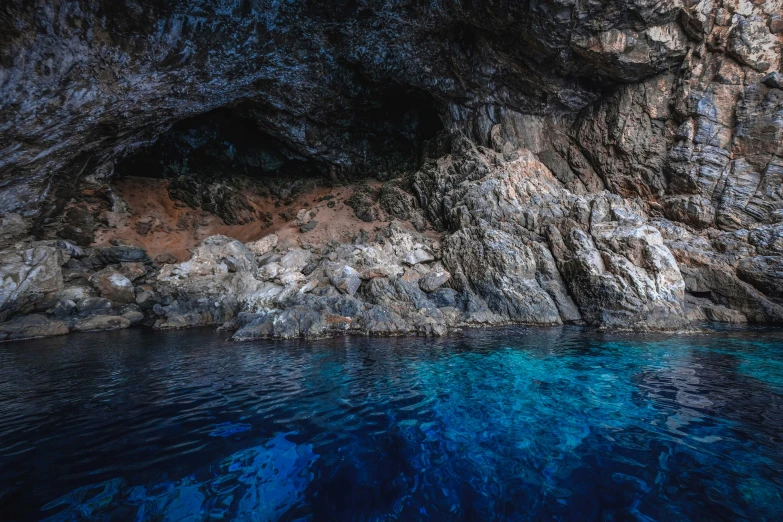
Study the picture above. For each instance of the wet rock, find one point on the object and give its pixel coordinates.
(31, 326)
(146, 296)
(97, 323)
(134, 316)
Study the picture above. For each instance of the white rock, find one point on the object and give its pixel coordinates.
(417, 256)
(263, 245)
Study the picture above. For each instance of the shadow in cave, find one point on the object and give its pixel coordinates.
(212, 161)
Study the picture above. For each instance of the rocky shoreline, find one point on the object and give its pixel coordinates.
(402, 169)
(517, 247)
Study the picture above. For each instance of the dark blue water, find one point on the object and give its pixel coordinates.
(514, 424)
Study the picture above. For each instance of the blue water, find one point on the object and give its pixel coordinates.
(510, 424)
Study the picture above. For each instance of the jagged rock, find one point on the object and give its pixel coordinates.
(31, 326)
(13, 228)
(765, 273)
(146, 296)
(64, 308)
(113, 286)
(502, 272)
(93, 305)
(295, 260)
(264, 245)
(97, 323)
(434, 280)
(418, 256)
(396, 202)
(751, 43)
(29, 277)
(363, 203)
(344, 278)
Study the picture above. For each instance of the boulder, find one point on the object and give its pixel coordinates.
(93, 305)
(417, 256)
(124, 254)
(263, 246)
(31, 326)
(96, 323)
(166, 259)
(29, 277)
(344, 278)
(64, 308)
(295, 260)
(433, 280)
(114, 286)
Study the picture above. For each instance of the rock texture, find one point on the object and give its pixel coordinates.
(617, 164)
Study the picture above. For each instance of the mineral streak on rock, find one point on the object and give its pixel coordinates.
(389, 167)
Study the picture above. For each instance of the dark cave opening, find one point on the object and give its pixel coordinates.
(218, 144)
(213, 160)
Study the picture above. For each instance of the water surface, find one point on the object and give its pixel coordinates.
(510, 424)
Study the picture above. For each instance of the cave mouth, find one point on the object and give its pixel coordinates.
(217, 145)
(214, 160)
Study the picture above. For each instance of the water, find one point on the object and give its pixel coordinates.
(511, 424)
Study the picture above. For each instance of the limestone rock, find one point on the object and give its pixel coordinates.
(263, 246)
(344, 278)
(418, 256)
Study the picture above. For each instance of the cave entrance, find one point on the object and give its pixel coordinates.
(213, 161)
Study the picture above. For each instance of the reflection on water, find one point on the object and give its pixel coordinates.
(511, 424)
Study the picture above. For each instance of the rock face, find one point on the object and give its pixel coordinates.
(617, 164)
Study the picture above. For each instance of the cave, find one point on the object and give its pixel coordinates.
(214, 214)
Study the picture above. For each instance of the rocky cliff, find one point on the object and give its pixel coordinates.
(617, 164)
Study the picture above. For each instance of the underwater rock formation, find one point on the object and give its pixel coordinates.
(617, 164)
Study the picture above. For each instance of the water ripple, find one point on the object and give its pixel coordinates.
(514, 424)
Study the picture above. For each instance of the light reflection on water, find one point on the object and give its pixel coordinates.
(510, 424)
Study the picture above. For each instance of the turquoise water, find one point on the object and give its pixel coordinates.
(509, 424)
